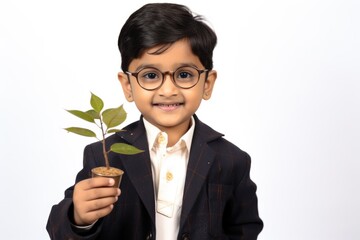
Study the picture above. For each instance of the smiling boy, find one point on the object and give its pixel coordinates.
(190, 183)
(168, 106)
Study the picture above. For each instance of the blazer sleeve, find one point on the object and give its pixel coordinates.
(59, 225)
(241, 214)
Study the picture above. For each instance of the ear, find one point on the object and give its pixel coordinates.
(209, 84)
(126, 86)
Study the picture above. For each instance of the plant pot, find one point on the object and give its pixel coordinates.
(111, 172)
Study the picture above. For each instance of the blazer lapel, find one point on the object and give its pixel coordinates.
(200, 161)
(138, 167)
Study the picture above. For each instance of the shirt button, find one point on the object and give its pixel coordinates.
(161, 139)
(185, 236)
(169, 176)
(149, 237)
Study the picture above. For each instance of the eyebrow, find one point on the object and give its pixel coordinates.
(158, 66)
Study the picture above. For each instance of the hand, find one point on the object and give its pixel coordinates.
(93, 198)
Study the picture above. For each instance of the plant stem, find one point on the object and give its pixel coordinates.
(105, 153)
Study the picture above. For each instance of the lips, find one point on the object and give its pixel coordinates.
(168, 107)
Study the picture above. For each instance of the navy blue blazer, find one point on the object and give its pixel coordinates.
(219, 200)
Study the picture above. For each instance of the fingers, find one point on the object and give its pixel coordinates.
(100, 192)
(97, 182)
(89, 212)
(93, 198)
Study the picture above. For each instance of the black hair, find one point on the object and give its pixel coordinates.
(161, 24)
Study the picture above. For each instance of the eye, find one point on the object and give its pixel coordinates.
(149, 75)
(184, 75)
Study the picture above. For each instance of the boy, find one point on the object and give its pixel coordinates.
(190, 183)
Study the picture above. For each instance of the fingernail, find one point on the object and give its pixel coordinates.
(111, 182)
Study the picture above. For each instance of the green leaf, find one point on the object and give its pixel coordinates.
(81, 131)
(114, 116)
(113, 130)
(124, 148)
(83, 115)
(96, 103)
(93, 113)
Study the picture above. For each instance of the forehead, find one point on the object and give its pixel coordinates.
(167, 57)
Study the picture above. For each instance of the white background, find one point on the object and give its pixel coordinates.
(287, 93)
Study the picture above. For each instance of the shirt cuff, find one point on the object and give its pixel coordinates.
(84, 228)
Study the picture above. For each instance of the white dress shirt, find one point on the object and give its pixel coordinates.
(168, 166)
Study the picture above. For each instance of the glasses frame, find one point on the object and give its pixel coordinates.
(170, 73)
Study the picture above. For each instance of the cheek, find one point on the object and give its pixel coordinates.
(194, 97)
(197, 92)
(136, 89)
(141, 95)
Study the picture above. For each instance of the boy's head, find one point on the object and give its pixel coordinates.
(167, 65)
(161, 24)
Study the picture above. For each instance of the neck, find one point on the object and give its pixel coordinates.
(175, 133)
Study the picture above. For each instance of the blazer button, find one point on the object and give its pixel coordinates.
(149, 236)
(185, 236)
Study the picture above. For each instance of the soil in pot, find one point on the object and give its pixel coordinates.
(111, 172)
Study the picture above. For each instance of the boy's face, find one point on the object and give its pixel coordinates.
(168, 107)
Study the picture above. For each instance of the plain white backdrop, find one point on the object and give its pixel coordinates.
(287, 93)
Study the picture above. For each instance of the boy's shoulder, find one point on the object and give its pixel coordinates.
(215, 139)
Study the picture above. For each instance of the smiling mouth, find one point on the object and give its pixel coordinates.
(168, 107)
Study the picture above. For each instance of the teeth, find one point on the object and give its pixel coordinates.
(170, 105)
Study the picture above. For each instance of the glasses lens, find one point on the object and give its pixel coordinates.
(186, 77)
(149, 78)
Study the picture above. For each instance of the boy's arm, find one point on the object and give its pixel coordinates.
(243, 209)
(60, 223)
(60, 226)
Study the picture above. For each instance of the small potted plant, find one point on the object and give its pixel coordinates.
(106, 120)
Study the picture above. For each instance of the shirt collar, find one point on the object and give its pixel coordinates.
(152, 133)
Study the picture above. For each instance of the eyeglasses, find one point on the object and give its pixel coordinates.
(151, 78)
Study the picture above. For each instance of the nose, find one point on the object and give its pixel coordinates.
(168, 88)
